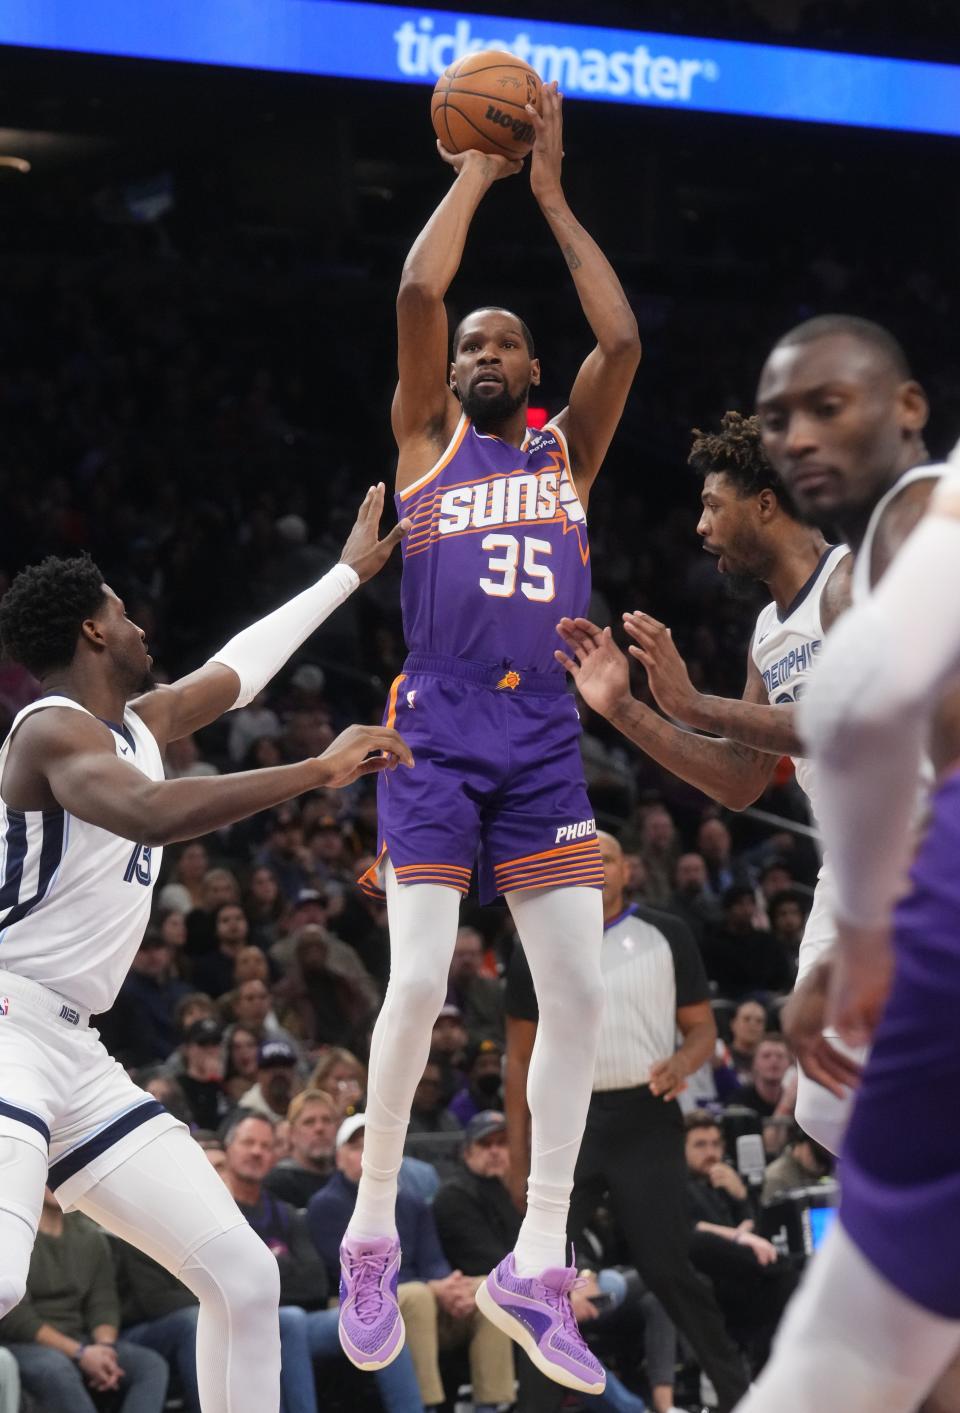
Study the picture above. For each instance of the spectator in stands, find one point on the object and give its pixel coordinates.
(265, 907)
(741, 958)
(636, 877)
(241, 1046)
(251, 1004)
(182, 760)
(691, 898)
(327, 997)
(437, 1302)
(802, 1163)
(787, 911)
(313, 1130)
(659, 849)
(344, 1078)
(202, 1077)
(329, 850)
(64, 1332)
(284, 852)
(184, 892)
(428, 1111)
(449, 1040)
(158, 1312)
(479, 998)
(213, 971)
(168, 1090)
(277, 1080)
(172, 926)
(139, 1027)
(716, 849)
(255, 722)
(478, 1223)
(747, 1029)
(308, 1328)
(220, 886)
(775, 876)
(484, 1077)
(751, 1283)
(766, 1092)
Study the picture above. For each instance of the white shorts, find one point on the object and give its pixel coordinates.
(62, 1092)
(820, 932)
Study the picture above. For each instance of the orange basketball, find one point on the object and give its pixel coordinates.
(480, 102)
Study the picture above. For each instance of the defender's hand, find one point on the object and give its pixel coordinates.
(347, 758)
(804, 1017)
(364, 552)
(492, 166)
(600, 671)
(859, 982)
(666, 670)
(548, 146)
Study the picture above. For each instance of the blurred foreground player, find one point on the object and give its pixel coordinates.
(84, 813)
(750, 523)
(498, 544)
(878, 1319)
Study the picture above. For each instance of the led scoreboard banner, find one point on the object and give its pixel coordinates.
(345, 39)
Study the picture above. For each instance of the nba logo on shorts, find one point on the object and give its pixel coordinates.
(4, 1005)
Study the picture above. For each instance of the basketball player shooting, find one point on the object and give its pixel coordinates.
(498, 547)
(84, 813)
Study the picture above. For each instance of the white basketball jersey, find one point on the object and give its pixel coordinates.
(75, 899)
(862, 569)
(785, 650)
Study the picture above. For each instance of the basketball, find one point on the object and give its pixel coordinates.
(480, 102)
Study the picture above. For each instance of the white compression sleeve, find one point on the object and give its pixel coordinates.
(867, 711)
(257, 653)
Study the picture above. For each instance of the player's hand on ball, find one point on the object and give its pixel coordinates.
(363, 750)
(492, 165)
(804, 1017)
(364, 551)
(667, 672)
(599, 669)
(547, 157)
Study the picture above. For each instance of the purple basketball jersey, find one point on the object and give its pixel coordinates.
(497, 552)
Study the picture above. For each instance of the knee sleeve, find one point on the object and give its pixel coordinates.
(237, 1271)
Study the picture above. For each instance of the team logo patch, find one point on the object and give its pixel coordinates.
(509, 680)
(68, 1014)
(4, 1005)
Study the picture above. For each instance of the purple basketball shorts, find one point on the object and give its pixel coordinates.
(498, 781)
(900, 1173)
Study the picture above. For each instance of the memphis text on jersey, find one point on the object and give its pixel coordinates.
(798, 660)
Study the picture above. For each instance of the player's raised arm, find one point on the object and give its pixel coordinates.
(424, 408)
(245, 665)
(601, 387)
(74, 754)
(730, 773)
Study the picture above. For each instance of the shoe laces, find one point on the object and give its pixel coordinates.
(367, 1272)
(559, 1300)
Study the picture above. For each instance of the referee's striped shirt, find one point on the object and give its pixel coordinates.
(651, 967)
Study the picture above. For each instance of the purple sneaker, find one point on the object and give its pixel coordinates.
(371, 1326)
(536, 1312)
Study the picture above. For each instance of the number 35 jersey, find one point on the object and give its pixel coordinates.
(497, 552)
(74, 898)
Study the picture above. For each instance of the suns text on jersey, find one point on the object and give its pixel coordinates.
(503, 500)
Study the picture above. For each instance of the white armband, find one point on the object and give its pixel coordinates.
(867, 711)
(257, 653)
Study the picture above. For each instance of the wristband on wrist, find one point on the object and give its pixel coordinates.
(78, 1353)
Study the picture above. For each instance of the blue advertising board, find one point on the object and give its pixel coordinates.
(343, 38)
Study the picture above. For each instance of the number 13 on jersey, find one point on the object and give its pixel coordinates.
(537, 582)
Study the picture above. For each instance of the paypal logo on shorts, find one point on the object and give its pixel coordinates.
(424, 49)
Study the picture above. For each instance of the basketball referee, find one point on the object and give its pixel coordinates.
(633, 1146)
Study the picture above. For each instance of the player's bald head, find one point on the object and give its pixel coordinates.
(876, 346)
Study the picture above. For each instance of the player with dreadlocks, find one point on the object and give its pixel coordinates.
(750, 524)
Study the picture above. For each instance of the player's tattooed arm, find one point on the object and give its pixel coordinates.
(752, 721)
(601, 387)
(729, 772)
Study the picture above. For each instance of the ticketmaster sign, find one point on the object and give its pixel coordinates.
(354, 40)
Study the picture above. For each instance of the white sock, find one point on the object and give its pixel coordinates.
(850, 1340)
(423, 929)
(561, 930)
